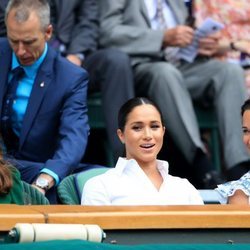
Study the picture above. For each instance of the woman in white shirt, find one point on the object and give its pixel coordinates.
(238, 192)
(139, 178)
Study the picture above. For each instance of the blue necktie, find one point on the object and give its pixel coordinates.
(7, 109)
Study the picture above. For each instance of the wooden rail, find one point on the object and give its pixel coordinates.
(12, 214)
(130, 217)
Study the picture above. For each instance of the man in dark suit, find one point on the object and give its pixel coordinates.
(45, 125)
(75, 35)
(76, 31)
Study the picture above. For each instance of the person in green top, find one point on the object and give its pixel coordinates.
(11, 189)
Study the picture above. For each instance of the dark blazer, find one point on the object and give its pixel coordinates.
(55, 126)
(3, 4)
(75, 24)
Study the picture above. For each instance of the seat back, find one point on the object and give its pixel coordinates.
(32, 196)
(210, 196)
(97, 122)
(66, 191)
(70, 189)
(81, 178)
(208, 121)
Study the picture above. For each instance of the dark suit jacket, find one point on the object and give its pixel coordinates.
(55, 126)
(3, 4)
(75, 24)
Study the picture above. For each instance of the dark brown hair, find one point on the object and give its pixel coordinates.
(128, 106)
(5, 177)
(245, 106)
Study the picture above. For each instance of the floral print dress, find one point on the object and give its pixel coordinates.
(235, 15)
(229, 188)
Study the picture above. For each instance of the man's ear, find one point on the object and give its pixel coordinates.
(48, 32)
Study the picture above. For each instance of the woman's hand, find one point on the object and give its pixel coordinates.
(209, 46)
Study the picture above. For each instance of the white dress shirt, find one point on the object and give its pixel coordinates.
(167, 13)
(170, 22)
(127, 184)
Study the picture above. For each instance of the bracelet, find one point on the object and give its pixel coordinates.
(232, 46)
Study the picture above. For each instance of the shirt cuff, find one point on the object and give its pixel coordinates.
(51, 173)
(81, 56)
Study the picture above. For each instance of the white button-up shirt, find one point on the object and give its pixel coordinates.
(170, 20)
(168, 15)
(127, 184)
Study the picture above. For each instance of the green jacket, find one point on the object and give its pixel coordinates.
(15, 196)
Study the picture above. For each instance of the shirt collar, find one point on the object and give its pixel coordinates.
(123, 163)
(163, 168)
(30, 70)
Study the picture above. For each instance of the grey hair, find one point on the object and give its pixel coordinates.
(24, 8)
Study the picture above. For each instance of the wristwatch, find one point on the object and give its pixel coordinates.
(42, 183)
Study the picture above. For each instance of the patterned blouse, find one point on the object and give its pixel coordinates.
(229, 188)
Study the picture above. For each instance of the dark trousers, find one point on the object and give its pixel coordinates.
(111, 74)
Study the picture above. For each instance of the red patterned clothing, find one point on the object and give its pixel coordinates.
(235, 15)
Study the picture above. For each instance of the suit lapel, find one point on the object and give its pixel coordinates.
(41, 84)
(144, 11)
